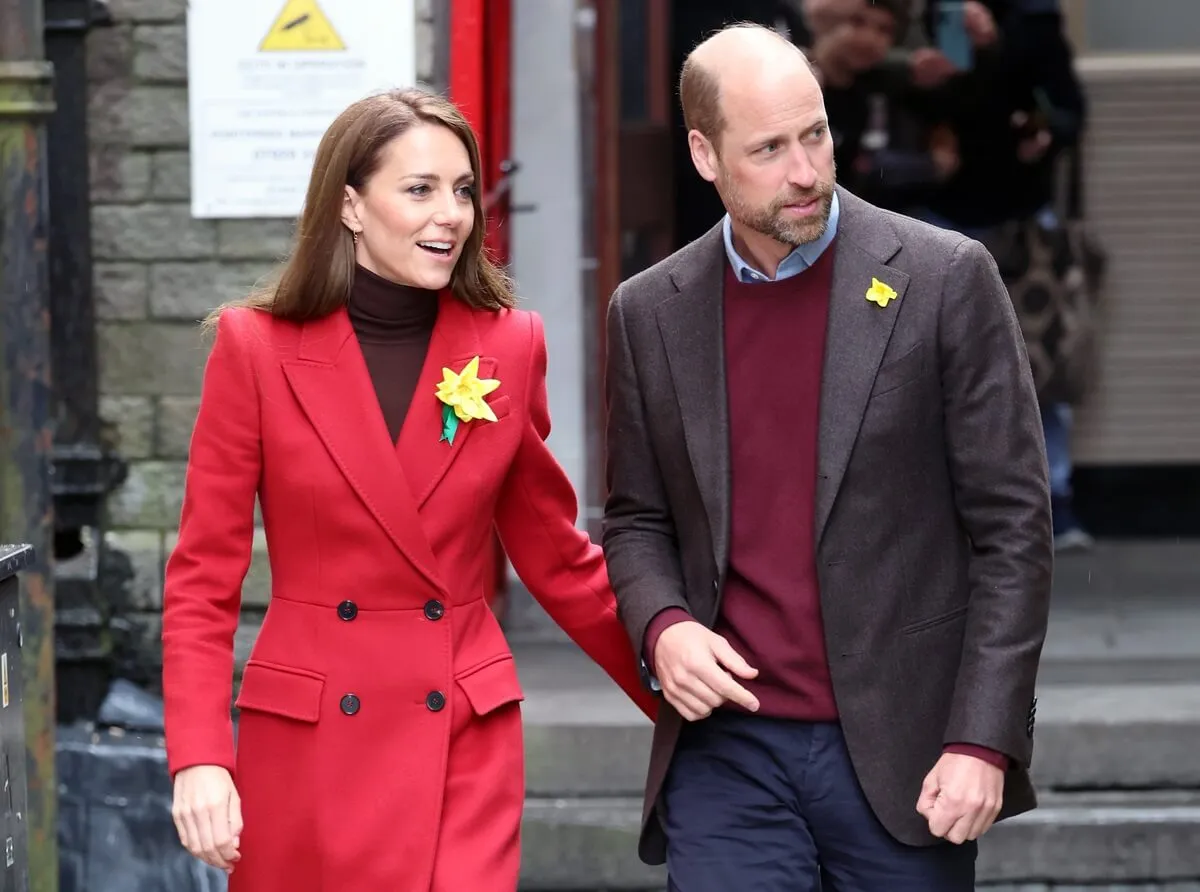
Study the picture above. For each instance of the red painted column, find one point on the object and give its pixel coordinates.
(480, 79)
(498, 117)
(467, 59)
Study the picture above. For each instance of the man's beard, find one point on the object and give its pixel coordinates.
(771, 220)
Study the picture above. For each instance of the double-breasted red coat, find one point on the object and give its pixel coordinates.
(379, 734)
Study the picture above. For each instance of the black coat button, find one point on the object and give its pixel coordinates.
(434, 610)
(435, 700)
(350, 704)
(347, 610)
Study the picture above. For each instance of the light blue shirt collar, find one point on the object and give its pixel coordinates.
(798, 261)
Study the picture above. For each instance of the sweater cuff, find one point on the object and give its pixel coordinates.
(660, 622)
(999, 760)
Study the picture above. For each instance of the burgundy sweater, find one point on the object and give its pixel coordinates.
(770, 608)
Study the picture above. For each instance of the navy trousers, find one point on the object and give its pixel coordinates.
(755, 804)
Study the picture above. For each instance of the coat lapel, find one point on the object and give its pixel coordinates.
(423, 455)
(858, 332)
(692, 327)
(333, 386)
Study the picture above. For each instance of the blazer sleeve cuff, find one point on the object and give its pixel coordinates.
(990, 756)
(658, 624)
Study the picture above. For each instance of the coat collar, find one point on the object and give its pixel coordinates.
(330, 379)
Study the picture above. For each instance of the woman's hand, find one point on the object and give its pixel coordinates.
(208, 814)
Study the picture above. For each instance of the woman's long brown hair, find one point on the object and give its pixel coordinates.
(315, 279)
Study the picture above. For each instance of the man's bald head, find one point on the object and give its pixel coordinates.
(733, 58)
(758, 131)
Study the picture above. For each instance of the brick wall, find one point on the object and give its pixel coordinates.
(157, 272)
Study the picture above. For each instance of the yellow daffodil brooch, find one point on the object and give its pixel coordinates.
(880, 293)
(462, 397)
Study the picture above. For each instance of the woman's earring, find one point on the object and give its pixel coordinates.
(354, 235)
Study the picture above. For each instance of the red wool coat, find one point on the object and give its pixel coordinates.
(379, 741)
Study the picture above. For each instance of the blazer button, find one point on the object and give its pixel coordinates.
(434, 610)
(347, 610)
(435, 700)
(350, 704)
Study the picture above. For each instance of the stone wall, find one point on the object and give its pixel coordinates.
(157, 273)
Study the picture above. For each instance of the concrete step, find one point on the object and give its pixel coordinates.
(1101, 837)
(585, 738)
(587, 751)
(1121, 736)
(1092, 839)
(584, 844)
(1125, 670)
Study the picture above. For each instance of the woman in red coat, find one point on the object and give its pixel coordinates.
(387, 407)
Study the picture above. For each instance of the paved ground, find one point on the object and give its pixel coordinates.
(1126, 613)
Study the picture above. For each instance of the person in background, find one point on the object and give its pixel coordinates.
(883, 154)
(912, 58)
(1014, 116)
(386, 404)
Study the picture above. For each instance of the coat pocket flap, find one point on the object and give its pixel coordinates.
(492, 685)
(935, 622)
(895, 374)
(281, 690)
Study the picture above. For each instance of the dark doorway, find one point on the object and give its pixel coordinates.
(1139, 501)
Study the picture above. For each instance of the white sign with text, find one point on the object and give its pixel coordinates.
(265, 80)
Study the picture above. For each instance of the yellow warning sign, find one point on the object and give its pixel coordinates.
(301, 26)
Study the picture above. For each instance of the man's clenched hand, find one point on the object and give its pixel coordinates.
(961, 797)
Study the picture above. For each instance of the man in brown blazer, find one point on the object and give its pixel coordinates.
(829, 518)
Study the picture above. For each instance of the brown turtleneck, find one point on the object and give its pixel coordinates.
(393, 324)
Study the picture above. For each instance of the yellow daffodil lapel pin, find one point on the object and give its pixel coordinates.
(880, 293)
(462, 397)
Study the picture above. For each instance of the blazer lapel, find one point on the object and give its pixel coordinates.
(424, 456)
(692, 327)
(858, 332)
(333, 386)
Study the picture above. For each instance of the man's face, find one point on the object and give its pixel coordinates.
(865, 36)
(773, 165)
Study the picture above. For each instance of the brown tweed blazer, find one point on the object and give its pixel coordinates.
(934, 544)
